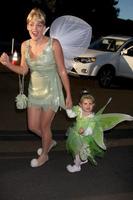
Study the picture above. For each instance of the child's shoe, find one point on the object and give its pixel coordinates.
(84, 162)
(73, 168)
(81, 162)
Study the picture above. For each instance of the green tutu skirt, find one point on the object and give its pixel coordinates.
(85, 146)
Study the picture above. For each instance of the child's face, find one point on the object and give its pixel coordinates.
(87, 105)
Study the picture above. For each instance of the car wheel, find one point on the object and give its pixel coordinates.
(106, 76)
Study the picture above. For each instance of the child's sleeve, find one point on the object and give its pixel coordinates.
(72, 112)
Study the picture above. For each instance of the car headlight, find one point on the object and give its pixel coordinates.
(85, 59)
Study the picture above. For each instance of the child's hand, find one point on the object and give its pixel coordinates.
(70, 113)
(81, 131)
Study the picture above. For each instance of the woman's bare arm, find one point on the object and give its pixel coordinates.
(59, 57)
(19, 69)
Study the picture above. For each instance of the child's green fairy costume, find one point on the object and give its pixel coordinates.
(91, 143)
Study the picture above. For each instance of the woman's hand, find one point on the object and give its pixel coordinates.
(4, 59)
(69, 103)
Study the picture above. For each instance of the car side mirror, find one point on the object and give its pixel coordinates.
(124, 52)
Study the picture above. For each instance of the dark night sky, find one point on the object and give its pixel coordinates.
(13, 15)
(13, 21)
(13, 18)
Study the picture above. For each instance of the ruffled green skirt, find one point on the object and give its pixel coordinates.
(85, 146)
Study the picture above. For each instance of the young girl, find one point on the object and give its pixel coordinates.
(85, 139)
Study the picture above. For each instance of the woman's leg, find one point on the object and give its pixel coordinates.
(34, 120)
(45, 119)
(45, 126)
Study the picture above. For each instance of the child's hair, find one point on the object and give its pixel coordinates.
(38, 13)
(85, 95)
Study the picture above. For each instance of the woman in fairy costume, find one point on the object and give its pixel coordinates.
(43, 57)
(85, 138)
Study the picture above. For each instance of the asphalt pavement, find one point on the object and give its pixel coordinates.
(111, 179)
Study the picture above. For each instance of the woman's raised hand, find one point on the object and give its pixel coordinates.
(4, 59)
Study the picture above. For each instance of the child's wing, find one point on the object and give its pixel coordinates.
(103, 108)
(97, 131)
(106, 122)
(110, 120)
(98, 136)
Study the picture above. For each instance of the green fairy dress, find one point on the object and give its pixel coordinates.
(45, 88)
(91, 144)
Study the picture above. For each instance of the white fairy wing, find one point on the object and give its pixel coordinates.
(74, 35)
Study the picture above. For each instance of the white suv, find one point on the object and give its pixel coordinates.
(106, 58)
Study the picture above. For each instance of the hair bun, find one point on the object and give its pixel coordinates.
(85, 92)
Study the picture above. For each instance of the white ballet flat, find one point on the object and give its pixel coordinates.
(39, 151)
(34, 162)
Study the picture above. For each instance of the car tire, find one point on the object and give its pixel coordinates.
(106, 76)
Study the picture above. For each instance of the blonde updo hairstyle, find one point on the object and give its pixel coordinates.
(38, 14)
(85, 95)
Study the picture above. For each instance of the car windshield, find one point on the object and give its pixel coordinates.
(107, 44)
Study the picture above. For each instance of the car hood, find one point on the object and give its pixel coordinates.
(94, 53)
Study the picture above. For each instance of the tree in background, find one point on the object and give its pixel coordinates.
(99, 14)
(102, 15)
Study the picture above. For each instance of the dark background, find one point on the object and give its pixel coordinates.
(101, 15)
